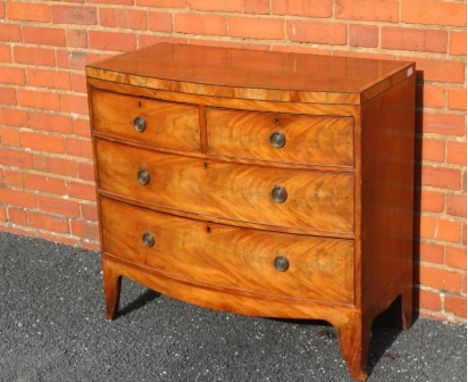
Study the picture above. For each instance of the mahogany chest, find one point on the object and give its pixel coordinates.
(262, 183)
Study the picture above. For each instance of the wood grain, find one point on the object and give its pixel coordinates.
(230, 257)
(319, 200)
(167, 124)
(313, 140)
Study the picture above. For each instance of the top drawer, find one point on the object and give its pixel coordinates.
(320, 140)
(164, 124)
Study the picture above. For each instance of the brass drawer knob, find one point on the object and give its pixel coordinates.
(148, 239)
(143, 177)
(279, 194)
(281, 263)
(277, 139)
(139, 124)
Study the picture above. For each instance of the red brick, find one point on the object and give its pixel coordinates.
(76, 59)
(28, 11)
(429, 300)
(430, 95)
(162, 3)
(455, 305)
(74, 103)
(433, 150)
(86, 171)
(322, 33)
(79, 147)
(40, 100)
(364, 36)
(48, 78)
(456, 205)
(448, 231)
(441, 177)
(119, 2)
(78, 82)
(216, 5)
(5, 53)
(9, 75)
(440, 279)
(15, 158)
(123, 18)
(320, 8)
(77, 38)
(457, 99)
(17, 198)
(458, 43)
(113, 41)
(444, 124)
(45, 36)
(433, 253)
(81, 191)
(89, 212)
(81, 127)
(17, 216)
(456, 257)
(10, 32)
(85, 230)
(160, 22)
(439, 70)
(44, 183)
(12, 117)
(375, 10)
(34, 56)
(63, 14)
(424, 40)
(257, 6)
(432, 201)
(252, 27)
(433, 12)
(456, 152)
(14, 178)
(42, 142)
(58, 206)
(47, 222)
(7, 96)
(49, 122)
(10, 136)
(200, 24)
(2, 15)
(146, 40)
(66, 167)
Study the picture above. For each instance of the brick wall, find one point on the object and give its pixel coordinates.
(46, 175)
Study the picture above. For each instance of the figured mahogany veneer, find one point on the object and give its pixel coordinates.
(262, 183)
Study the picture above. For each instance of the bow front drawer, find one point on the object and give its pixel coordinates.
(322, 201)
(320, 140)
(163, 124)
(230, 257)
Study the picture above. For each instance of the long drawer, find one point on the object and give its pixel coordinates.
(265, 195)
(321, 140)
(230, 257)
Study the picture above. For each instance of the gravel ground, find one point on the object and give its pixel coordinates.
(52, 328)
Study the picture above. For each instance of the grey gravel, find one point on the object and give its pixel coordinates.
(52, 328)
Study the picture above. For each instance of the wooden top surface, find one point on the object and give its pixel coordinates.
(281, 76)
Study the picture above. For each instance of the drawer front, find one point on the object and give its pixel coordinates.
(164, 124)
(230, 257)
(280, 137)
(318, 200)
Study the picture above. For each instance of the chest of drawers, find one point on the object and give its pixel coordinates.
(262, 183)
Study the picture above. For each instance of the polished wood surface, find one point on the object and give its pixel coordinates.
(230, 257)
(251, 74)
(347, 165)
(166, 124)
(313, 140)
(322, 201)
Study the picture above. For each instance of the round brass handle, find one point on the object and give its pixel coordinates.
(277, 139)
(281, 263)
(148, 239)
(279, 194)
(143, 177)
(139, 124)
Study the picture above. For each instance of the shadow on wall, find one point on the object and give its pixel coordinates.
(417, 189)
